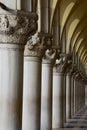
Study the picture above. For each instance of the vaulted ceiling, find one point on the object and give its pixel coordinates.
(72, 18)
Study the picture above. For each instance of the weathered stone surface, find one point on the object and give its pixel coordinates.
(37, 44)
(16, 26)
(62, 64)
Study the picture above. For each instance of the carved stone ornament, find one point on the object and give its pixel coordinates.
(77, 75)
(71, 69)
(49, 57)
(16, 26)
(36, 45)
(62, 63)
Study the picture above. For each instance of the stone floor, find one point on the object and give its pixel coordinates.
(79, 122)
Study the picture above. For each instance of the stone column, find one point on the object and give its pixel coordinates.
(75, 91)
(76, 95)
(79, 90)
(70, 91)
(46, 89)
(64, 98)
(68, 96)
(68, 72)
(72, 96)
(58, 91)
(83, 87)
(34, 51)
(80, 93)
(57, 108)
(15, 26)
(73, 71)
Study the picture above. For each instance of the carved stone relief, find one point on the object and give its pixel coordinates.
(16, 26)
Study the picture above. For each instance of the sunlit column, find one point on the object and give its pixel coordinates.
(32, 83)
(46, 89)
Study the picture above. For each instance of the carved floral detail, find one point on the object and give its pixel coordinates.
(16, 26)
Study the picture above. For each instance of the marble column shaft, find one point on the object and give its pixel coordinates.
(32, 83)
(31, 93)
(72, 96)
(68, 97)
(46, 89)
(57, 110)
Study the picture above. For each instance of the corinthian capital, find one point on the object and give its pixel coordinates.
(16, 26)
(50, 55)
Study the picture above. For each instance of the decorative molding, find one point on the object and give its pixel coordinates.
(16, 26)
(12, 47)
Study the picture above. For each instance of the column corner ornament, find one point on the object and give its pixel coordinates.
(71, 69)
(37, 45)
(62, 63)
(49, 57)
(16, 25)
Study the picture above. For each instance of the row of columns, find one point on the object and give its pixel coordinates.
(36, 96)
(47, 98)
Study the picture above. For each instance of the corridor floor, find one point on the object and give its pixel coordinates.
(79, 122)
